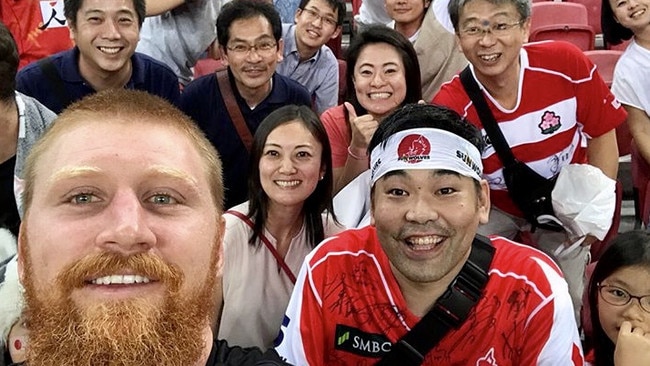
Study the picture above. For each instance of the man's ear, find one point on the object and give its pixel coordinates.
(73, 29)
(336, 33)
(224, 55)
(280, 50)
(484, 202)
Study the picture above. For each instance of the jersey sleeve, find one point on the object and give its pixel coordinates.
(551, 334)
(598, 110)
(302, 336)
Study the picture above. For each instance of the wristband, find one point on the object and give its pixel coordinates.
(355, 156)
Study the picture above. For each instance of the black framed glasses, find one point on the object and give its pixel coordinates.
(313, 15)
(262, 48)
(617, 296)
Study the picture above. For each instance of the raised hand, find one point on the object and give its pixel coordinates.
(362, 127)
(632, 346)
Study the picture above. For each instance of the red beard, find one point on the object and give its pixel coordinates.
(121, 332)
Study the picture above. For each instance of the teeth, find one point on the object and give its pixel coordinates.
(489, 57)
(429, 241)
(379, 95)
(120, 280)
(285, 183)
(110, 50)
(637, 13)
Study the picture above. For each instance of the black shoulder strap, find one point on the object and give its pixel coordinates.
(51, 73)
(487, 118)
(449, 312)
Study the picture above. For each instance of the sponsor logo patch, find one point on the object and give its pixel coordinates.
(355, 341)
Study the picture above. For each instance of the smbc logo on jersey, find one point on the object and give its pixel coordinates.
(358, 342)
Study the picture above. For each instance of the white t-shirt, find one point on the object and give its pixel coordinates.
(256, 290)
(631, 84)
(372, 12)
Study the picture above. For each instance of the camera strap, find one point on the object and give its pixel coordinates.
(450, 310)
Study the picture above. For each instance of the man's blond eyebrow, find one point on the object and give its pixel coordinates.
(69, 172)
(161, 170)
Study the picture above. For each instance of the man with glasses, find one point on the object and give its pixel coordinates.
(549, 102)
(249, 35)
(307, 59)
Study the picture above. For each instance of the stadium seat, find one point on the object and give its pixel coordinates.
(343, 66)
(565, 21)
(206, 66)
(593, 13)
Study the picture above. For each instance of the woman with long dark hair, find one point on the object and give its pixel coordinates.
(288, 213)
(382, 74)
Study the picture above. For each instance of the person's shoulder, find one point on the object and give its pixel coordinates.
(35, 108)
(336, 112)
(201, 85)
(511, 256)
(327, 55)
(351, 241)
(224, 355)
(154, 66)
(558, 57)
(451, 93)
(291, 88)
(35, 69)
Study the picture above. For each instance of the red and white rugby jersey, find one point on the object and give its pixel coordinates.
(561, 101)
(347, 309)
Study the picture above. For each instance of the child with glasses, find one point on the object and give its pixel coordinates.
(619, 298)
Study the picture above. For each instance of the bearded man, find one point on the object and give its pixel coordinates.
(120, 242)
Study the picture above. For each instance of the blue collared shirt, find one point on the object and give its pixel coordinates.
(148, 74)
(319, 74)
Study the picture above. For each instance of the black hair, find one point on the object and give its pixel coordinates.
(318, 201)
(337, 5)
(613, 32)
(626, 250)
(381, 34)
(71, 8)
(9, 61)
(426, 116)
(246, 9)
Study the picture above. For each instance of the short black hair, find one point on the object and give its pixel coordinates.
(246, 9)
(613, 32)
(9, 61)
(71, 8)
(375, 34)
(337, 5)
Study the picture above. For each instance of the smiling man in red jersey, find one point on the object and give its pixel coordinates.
(551, 106)
(360, 294)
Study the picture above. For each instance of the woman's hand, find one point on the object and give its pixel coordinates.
(362, 128)
(632, 346)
